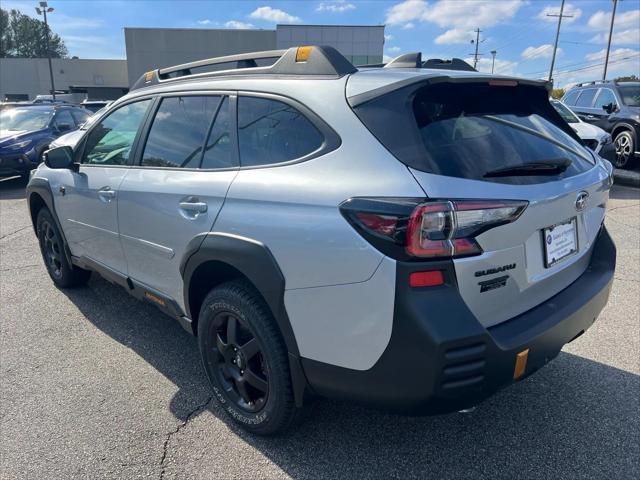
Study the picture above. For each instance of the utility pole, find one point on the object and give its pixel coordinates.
(555, 47)
(606, 59)
(43, 10)
(493, 61)
(477, 42)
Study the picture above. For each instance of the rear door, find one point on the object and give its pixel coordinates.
(604, 98)
(177, 187)
(584, 105)
(475, 142)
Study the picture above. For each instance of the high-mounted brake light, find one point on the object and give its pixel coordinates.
(503, 83)
(432, 229)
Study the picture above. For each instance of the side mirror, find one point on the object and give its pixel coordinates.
(609, 108)
(63, 127)
(59, 157)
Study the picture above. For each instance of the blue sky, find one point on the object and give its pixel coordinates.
(519, 30)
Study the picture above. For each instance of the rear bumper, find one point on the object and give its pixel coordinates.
(441, 359)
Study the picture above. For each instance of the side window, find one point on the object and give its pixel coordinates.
(110, 141)
(605, 97)
(570, 98)
(64, 121)
(271, 132)
(217, 152)
(586, 98)
(79, 116)
(178, 132)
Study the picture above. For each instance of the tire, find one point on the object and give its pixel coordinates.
(625, 146)
(51, 242)
(247, 365)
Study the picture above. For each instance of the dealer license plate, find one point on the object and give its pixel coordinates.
(560, 242)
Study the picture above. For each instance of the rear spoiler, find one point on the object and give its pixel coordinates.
(360, 98)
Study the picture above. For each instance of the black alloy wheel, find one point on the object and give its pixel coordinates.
(241, 366)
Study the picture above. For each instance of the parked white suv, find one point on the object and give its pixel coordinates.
(410, 238)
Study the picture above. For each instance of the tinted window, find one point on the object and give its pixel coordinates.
(63, 118)
(570, 98)
(630, 95)
(110, 142)
(467, 131)
(270, 132)
(178, 132)
(586, 98)
(217, 153)
(80, 116)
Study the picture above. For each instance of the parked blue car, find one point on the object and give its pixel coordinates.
(27, 130)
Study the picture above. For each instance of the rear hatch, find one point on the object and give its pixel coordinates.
(487, 139)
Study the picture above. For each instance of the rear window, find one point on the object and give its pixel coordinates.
(469, 130)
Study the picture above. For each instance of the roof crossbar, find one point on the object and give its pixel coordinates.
(414, 60)
(314, 60)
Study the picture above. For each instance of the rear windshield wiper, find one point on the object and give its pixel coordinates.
(543, 167)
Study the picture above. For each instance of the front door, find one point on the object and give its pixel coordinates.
(177, 188)
(86, 200)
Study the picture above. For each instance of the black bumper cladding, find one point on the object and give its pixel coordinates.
(440, 359)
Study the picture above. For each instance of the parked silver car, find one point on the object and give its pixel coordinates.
(410, 238)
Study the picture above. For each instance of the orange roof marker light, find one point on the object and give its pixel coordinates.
(302, 54)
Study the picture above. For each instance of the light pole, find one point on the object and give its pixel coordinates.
(606, 59)
(493, 61)
(43, 10)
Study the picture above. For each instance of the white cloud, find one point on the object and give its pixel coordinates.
(502, 67)
(455, 35)
(543, 51)
(601, 20)
(238, 25)
(408, 26)
(616, 54)
(388, 38)
(204, 22)
(405, 12)
(624, 37)
(274, 15)
(569, 9)
(337, 6)
(393, 49)
(454, 15)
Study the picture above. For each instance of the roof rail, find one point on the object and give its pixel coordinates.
(593, 82)
(408, 60)
(414, 60)
(453, 64)
(307, 60)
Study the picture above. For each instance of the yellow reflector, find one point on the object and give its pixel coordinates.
(302, 55)
(148, 76)
(521, 364)
(155, 299)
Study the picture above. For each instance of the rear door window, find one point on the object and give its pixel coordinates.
(585, 99)
(605, 97)
(570, 98)
(177, 134)
(270, 131)
(467, 131)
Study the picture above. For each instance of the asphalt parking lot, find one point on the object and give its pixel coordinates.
(94, 384)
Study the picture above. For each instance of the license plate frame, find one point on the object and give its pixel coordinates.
(548, 239)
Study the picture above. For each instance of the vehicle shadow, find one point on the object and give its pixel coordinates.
(575, 418)
(619, 192)
(13, 188)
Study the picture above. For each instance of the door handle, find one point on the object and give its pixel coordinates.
(591, 117)
(192, 206)
(107, 194)
(198, 207)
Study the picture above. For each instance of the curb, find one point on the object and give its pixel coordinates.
(630, 178)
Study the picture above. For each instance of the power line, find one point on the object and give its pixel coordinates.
(574, 64)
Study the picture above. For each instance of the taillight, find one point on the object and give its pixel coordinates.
(436, 229)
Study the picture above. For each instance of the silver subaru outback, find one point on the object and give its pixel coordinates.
(413, 236)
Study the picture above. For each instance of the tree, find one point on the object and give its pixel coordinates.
(557, 93)
(24, 37)
(629, 78)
